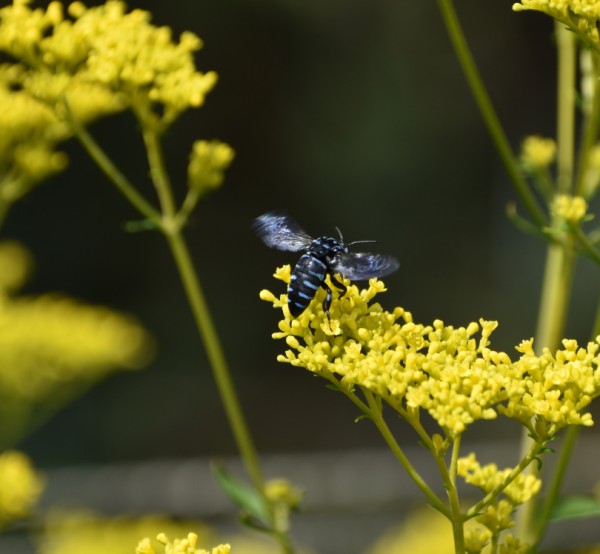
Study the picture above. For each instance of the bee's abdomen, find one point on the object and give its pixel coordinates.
(307, 277)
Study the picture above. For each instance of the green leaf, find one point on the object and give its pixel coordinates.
(575, 507)
(245, 497)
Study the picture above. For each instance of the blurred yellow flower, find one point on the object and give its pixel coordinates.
(83, 532)
(571, 209)
(538, 152)
(20, 486)
(208, 161)
(50, 345)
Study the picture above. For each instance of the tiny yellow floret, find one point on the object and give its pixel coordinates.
(569, 208)
(538, 152)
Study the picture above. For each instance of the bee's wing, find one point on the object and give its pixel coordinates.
(363, 265)
(279, 230)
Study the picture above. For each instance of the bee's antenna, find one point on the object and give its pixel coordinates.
(360, 242)
(339, 234)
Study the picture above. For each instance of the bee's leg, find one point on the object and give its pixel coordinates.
(327, 301)
(338, 284)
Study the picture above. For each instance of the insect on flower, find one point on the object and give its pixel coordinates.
(322, 256)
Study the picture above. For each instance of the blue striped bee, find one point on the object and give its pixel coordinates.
(322, 256)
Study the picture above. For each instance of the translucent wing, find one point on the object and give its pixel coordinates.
(279, 230)
(362, 265)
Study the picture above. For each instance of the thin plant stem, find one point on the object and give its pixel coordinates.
(564, 457)
(159, 175)
(377, 417)
(190, 283)
(493, 494)
(590, 134)
(216, 356)
(488, 113)
(110, 169)
(449, 477)
(560, 260)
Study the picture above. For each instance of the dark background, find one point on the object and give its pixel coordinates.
(344, 113)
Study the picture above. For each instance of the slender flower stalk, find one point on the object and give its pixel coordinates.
(452, 375)
(488, 113)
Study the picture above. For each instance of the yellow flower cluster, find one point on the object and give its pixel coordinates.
(538, 152)
(30, 132)
(208, 161)
(20, 487)
(450, 372)
(580, 16)
(103, 58)
(488, 477)
(571, 209)
(179, 546)
(49, 343)
(282, 491)
(85, 532)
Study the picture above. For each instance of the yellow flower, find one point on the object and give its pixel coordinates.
(20, 486)
(183, 546)
(571, 209)
(118, 57)
(30, 132)
(538, 152)
(581, 16)
(450, 372)
(424, 532)
(81, 532)
(208, 161)
(51, 344)
(488, 477)
(283, 492)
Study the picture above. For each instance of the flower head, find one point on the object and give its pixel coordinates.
(571, 209)
(186, 545)
(103, 58)
(208, 161)
(77, 532)
(451, 372)
(581, 16)
(49, 343)
(20, 486)
(538, 152)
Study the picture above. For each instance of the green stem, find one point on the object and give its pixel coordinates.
(216, 356)
(560, 261)
(376, 415)
(493, 494)
(567, 57)
(159, 175)
(590, 134)
(190, 282)
(488, 113)
(587, 247)
(545, 510)
(110, 169)
(449, 477)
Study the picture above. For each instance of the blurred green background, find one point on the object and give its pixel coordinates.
(343, 113)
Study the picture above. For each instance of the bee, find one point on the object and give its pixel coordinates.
(322, 256)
